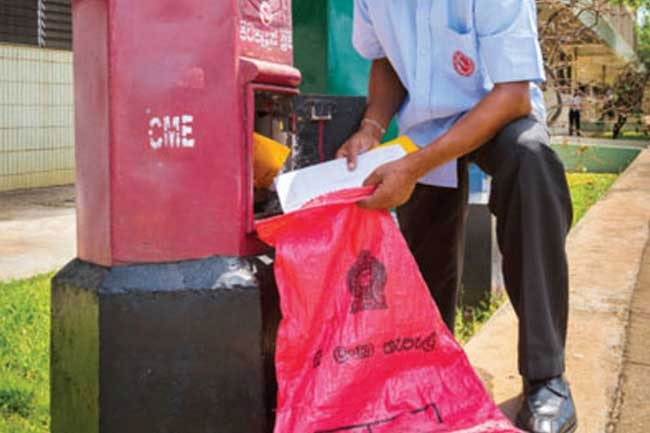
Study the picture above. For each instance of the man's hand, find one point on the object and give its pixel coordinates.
(395, 183)
(362, 141)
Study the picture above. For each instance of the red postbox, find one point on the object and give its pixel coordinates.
(168, 94)
(166, 322)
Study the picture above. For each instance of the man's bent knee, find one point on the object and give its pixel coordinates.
(523, 138)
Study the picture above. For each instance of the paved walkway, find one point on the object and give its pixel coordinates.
(37, 231)
(632, 409)
(609, 371)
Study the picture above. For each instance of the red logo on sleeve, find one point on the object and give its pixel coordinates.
(463, 64)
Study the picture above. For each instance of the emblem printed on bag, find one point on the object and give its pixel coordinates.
(463, 64)
(367, 284)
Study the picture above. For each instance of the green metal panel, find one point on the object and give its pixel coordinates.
(310, 43)
(348, 71)
(323, 48)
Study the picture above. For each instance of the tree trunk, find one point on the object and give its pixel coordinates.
(618, 126)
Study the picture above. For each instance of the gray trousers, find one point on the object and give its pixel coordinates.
(532, 205)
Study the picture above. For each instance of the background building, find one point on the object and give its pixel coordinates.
(36, 99)
(592, 42)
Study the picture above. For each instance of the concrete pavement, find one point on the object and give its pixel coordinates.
(631, 412)
(37, 231)
(609, 374)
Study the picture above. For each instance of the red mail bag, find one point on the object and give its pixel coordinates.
(361, 346)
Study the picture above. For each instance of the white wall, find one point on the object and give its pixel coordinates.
(36, 117)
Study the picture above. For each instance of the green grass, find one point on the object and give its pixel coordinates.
(587, 189)
(25, 327)
(25, 355)
(469, 320)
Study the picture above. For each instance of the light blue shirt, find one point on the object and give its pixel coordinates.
(448, 55)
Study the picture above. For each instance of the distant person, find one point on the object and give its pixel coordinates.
(575, 106)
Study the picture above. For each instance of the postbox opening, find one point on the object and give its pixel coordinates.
(273, 118)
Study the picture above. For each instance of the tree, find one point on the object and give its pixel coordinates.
(629, 89)
(566, 24)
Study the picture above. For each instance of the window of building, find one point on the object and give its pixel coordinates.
(43, 23)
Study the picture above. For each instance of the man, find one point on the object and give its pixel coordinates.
(575, 105)
(461, 76)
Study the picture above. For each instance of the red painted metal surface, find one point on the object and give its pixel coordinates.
(163, 123)
(266, 30)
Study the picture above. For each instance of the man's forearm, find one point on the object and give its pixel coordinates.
(505, 103)
(385, 94)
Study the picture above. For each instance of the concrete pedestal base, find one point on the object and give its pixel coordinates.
(168, 348)
(482, 274)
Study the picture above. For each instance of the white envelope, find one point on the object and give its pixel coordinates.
(296, 188)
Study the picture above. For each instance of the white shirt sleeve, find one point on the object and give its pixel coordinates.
(508, 40)
(364, 38)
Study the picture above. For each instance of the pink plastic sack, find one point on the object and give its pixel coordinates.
(361, 347)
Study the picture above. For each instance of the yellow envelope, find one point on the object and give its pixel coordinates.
(405, 142)
(268, 158)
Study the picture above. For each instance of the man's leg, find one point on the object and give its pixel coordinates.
(433, 224)
(532, 203)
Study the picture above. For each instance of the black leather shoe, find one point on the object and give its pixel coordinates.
(548, 407)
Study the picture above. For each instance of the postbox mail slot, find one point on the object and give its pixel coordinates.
(270, 112)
